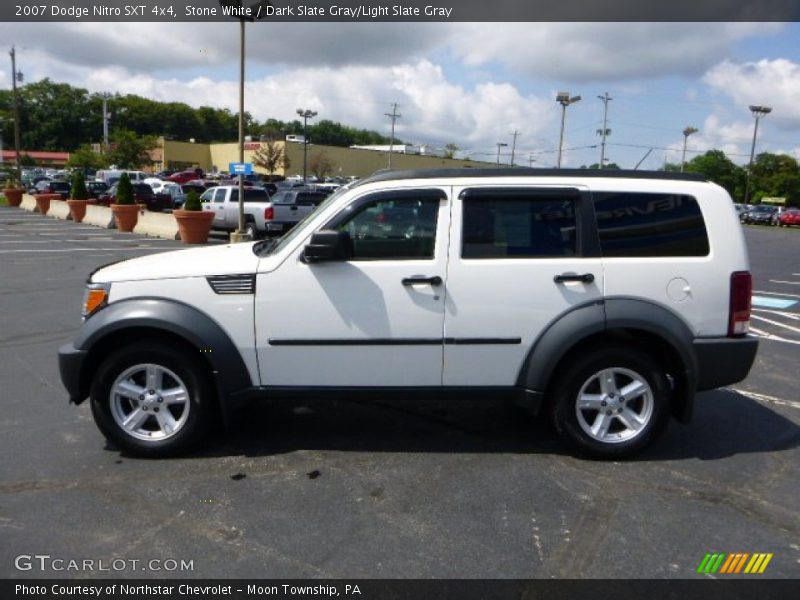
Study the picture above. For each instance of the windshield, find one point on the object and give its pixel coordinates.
(764, 208)
(267, 247)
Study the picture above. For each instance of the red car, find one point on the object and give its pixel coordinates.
(790, 216)
(185, 176)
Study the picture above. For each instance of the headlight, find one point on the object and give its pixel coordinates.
(95, 298)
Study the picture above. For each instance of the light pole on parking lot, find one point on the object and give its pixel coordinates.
(564, 99)
(758, 112)
(256, 11)
(306, 114)
(686, 133)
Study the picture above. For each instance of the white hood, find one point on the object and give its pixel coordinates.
(231, 259)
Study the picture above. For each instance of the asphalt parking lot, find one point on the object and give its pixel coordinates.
(379, 489)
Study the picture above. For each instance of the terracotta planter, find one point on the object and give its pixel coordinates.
(77, 208)
(43, 201)
(193, 225)
(13, 196)
(126, 216)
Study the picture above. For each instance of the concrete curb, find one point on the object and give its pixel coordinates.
(100, 216)
(161, 225)
(28, 203)
(60, 210)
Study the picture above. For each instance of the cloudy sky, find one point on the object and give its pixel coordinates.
(467, 83)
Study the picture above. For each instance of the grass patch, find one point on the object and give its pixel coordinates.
(3, 201)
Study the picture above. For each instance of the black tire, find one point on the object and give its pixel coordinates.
(581, 374)
(189, 374)
(251, 230)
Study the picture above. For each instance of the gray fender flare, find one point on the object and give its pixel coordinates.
(229, 372)
(580, 322)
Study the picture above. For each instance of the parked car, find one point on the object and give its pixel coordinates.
(760, 214)
(791, 216)
(516, 284)
(112, 176)
(779, 210)
(51, 186)
(96, 188)
(184, 176)
(143, 194)
(223, 201)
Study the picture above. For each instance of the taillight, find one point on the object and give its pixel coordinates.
(741, 295)
(269, 213)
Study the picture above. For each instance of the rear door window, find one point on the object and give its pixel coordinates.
(633, 224)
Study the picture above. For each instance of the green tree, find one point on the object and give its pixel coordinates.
(26, 160)
(271, 156)
(86, 158)
(124, 190)
(129, 151)
(775, 175)
(719, 169)
(79, 191)
(450, 150)
(192, 201)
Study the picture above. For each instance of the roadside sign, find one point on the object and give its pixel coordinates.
(240, 168)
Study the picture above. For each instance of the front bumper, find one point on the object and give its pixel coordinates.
(723, 361)
(70, 367)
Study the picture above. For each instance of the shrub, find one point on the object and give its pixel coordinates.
(192, 201)
(124, 190)
(79, 191)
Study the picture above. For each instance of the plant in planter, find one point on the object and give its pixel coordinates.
(13, 193)
(126, 212)
(79, 198)
(194, 223)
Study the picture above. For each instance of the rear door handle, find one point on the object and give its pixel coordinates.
(585, 278)
(434, 281)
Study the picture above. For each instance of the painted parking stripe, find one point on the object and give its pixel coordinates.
(772, 302)
(765, 398)
(777, 323)
(772, 337)
(784, 282)
(65, 250)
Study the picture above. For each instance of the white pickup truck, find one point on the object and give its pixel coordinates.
(262, 214)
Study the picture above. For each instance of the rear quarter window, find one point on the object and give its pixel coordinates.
(633, 224)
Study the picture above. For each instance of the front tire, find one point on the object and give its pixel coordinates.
(611, 402)
(152, 400)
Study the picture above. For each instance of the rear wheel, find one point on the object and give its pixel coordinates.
(250, 230)
(611, 403)
(151, 400)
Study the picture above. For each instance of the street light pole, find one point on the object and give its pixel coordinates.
(499, 145)
(564, 99)
(758, 112)
(306, 114)
(686, 133)
(14, 77)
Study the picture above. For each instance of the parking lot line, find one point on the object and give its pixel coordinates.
(778, 323)
(784, 282)
(765, 398)
(763, 335)
(64, 250)
(777, 294)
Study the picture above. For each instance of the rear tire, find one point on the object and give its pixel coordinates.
(152, 400)
(611, 402)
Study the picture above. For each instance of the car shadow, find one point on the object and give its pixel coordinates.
(725, 423)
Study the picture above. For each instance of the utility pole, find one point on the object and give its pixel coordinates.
(14, 77)
(531, 160)
(514, 133)
(605, 130)
(394, 115)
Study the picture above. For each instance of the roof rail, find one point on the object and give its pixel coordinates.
(466, 173)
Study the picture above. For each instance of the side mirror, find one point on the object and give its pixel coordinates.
(328, 245)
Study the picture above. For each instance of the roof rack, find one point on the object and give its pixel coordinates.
(466, 173)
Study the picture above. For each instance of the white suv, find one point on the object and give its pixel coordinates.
(606, 300)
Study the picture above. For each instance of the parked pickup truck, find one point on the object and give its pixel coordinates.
(262, 214)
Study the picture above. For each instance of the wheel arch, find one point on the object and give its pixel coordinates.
(169, 322)
(650, 327)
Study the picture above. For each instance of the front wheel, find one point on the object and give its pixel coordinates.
(151, 400)
(611, 403)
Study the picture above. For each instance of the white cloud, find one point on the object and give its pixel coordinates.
(775, 83)
(602, 51)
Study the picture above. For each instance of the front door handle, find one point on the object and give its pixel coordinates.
(434, 281)
(585, 278)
